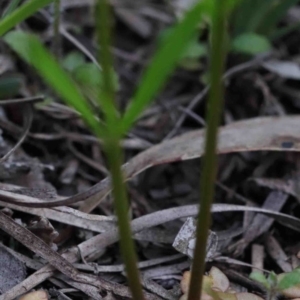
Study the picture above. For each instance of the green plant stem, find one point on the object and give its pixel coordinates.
(56, 24)
(113, 150)
(209, 164)
(114, 155)
(106, 98)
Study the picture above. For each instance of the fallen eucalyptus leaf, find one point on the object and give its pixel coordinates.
(259, 134)
(285, 69)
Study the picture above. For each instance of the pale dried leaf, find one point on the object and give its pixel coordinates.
(267, 133)
(220, 280)
(185, 281)
(186, 239)
(285, 69)
(37, 295)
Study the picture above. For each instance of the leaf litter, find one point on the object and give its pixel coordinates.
(55, 157)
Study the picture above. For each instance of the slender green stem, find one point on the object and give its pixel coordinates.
(56, 25)
(113, 150)
(214, 107)
(114, 155)
(106, 99)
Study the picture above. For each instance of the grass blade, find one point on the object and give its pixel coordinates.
(258, 16)
(164, 62)
(11, 7)
(34, 53)
(106, 99)
(244, 12)
(275, 14)
(113, 150)
(56, 44)
(20, 14)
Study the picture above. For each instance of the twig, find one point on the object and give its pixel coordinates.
(110, 237)
(22, 100)
(28, 117)
(35, 244)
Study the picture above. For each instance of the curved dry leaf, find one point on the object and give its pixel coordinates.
(105, 224)
(267, 133)
(286, 220)
(270, 133)
(220, 280)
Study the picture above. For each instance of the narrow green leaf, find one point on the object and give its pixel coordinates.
(251, 43)
(106, 97)
(244, 14)
(20, 14)
(11, 7)
(275, 15)
(34, 53)
(164, 62)
(258, 16)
